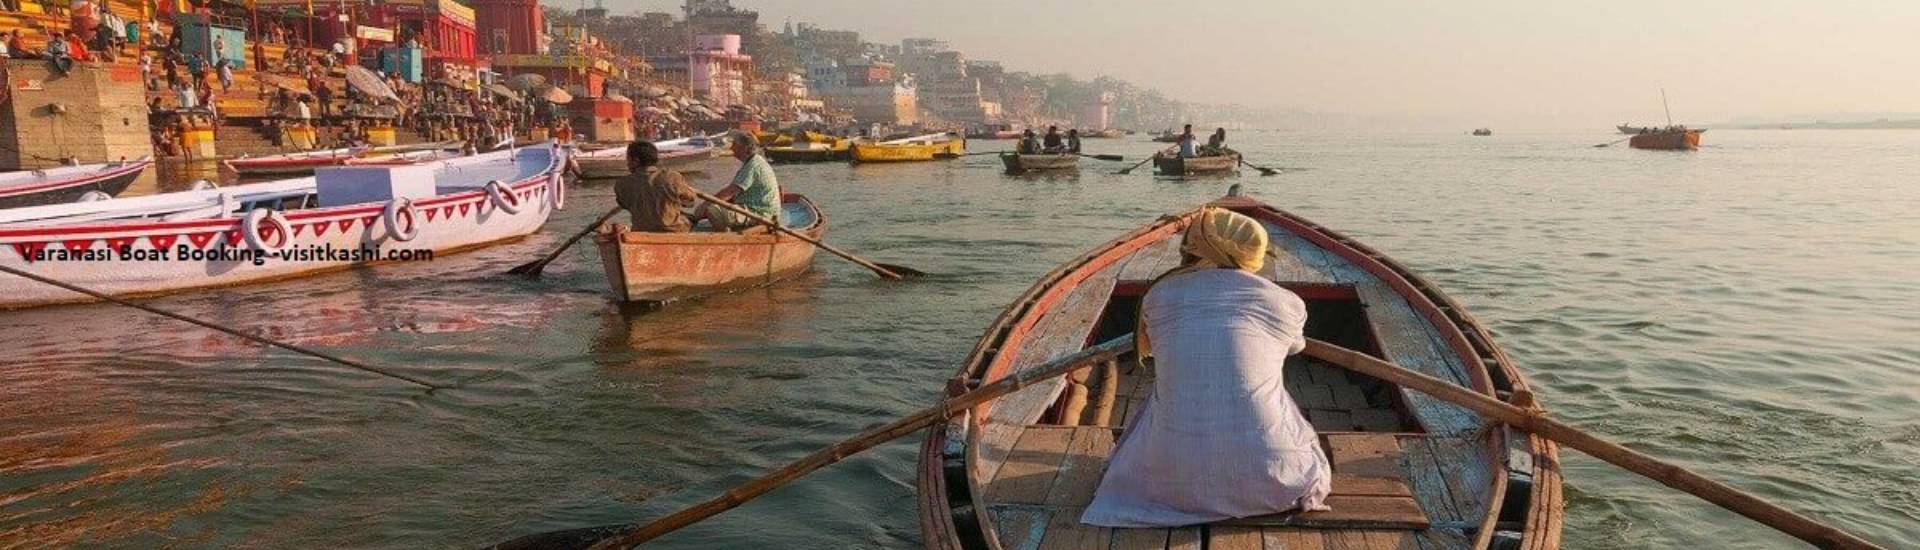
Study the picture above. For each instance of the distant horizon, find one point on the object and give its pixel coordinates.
(1499, 62)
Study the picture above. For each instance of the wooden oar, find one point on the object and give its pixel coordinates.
(1614, 141)
(532, 269)
(871, 438)
(1263, 170)
(1533, 421)
(1129, 169)
(889, 271)
(1115, 158)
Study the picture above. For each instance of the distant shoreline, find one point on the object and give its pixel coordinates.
(1873, 125)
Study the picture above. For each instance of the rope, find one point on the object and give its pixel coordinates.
(256, 339)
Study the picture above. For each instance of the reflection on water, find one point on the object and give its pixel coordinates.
(1746, 310)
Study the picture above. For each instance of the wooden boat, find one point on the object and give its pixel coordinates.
(65, 184)
(1678, 138)
(1020, 164)
(663, 267)
(611, 162)
(820, 148)
(1168, 163)
(1483, 132)
(292, 163)
(1409, 471)
(340, 218)
(1109, 133)
(917, 148)
(996, 131)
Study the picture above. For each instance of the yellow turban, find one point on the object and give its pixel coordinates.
(1225, 238)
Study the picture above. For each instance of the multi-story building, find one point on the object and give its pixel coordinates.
(887, 103)
(717, 71)
(509, 26)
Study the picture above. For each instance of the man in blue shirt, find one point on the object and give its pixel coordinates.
(754, 187)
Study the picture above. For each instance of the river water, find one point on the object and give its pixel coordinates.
(1748, 310)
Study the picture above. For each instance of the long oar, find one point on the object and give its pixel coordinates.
(889, 271)
(1532, 421)
(1613, 142)
(866, 440)
(256, 339)
(532, 269)
(1264, 171)
(1115, 158)
(1129, 169)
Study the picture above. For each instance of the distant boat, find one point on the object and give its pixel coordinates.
(1672, 138)
(1024, 163)
(1170, 163)
(1483, 132)
(1631, 130)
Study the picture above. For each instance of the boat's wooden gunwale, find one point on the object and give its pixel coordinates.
(1542, 529)
(626, 240)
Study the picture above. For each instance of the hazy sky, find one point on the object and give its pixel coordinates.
(1525, 63)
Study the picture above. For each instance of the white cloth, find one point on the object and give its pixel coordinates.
(1219, 437)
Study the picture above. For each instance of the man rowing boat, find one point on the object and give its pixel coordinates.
(652, 195)
(1218, 437)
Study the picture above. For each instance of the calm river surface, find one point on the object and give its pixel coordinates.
(1749, 310)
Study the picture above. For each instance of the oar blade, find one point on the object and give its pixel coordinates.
(903, 271)
(1114, 158)
(530, 269)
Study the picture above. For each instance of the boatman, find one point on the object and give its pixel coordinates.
(652, 195)
(1186, 142)
(1052, 142)
(754, 188)
(1219, 437)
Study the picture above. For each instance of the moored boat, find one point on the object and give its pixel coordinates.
(292, 163)
(1017, 163)
(663, 267)
(65, 184)
(1167, 163)
(1409, 471)
(917, 148)
(340, 218)
(611, 162)
(1483, 131)
(1678, 138)
(819, 148)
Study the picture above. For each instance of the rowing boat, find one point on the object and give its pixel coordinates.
(341, 217)
(611, 162)
(1167, 163)
(1023, 163)
(917, 148)
(68, 183)
(303, 162)
(663, 267)
(819, 148)
(1409, 471)
(1669, 139)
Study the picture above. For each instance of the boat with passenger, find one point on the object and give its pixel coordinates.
(64, 184)
(1019, 163)
(1170, 163)
(818, 148)
(339, 218)
(1671, 138)
(653, 267)
(910, 149)
(1406, 470)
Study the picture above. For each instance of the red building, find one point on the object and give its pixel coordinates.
(509, 26)
(444, 28)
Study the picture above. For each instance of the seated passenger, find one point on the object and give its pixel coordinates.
(1053, 142)
(1218, 437)
(1217, 143)
(1073, 141)
(1186, 143)
(754, 188)
(1028, 144)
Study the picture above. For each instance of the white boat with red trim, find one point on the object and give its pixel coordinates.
(68, 183)
(611, 162)
(339, 218)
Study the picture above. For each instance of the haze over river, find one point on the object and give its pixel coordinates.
(1750, 310)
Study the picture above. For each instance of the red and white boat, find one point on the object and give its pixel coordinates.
(293, 163)
(68, 183)
(339, 218)
(611, 162)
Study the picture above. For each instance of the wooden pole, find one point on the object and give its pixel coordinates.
(953, 406)
(1535, 422)
(1664, 107)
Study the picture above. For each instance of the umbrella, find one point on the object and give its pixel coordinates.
(557, 95)
(526, 81)
(288, 83)
(503, 91)
(368, 83)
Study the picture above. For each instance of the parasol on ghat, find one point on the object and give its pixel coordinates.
(368, 83)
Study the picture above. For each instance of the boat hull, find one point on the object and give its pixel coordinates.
(111, 180)
(124, 258)
(665, 267)
(976, 470)
(1021, 164)
(789, 154)
(1666, 141)
(1173, 165)
(613, 167)
(908, 152)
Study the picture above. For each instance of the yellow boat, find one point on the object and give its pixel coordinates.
(819, 148)
(917, 148)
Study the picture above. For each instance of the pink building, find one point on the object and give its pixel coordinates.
(717, 71)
